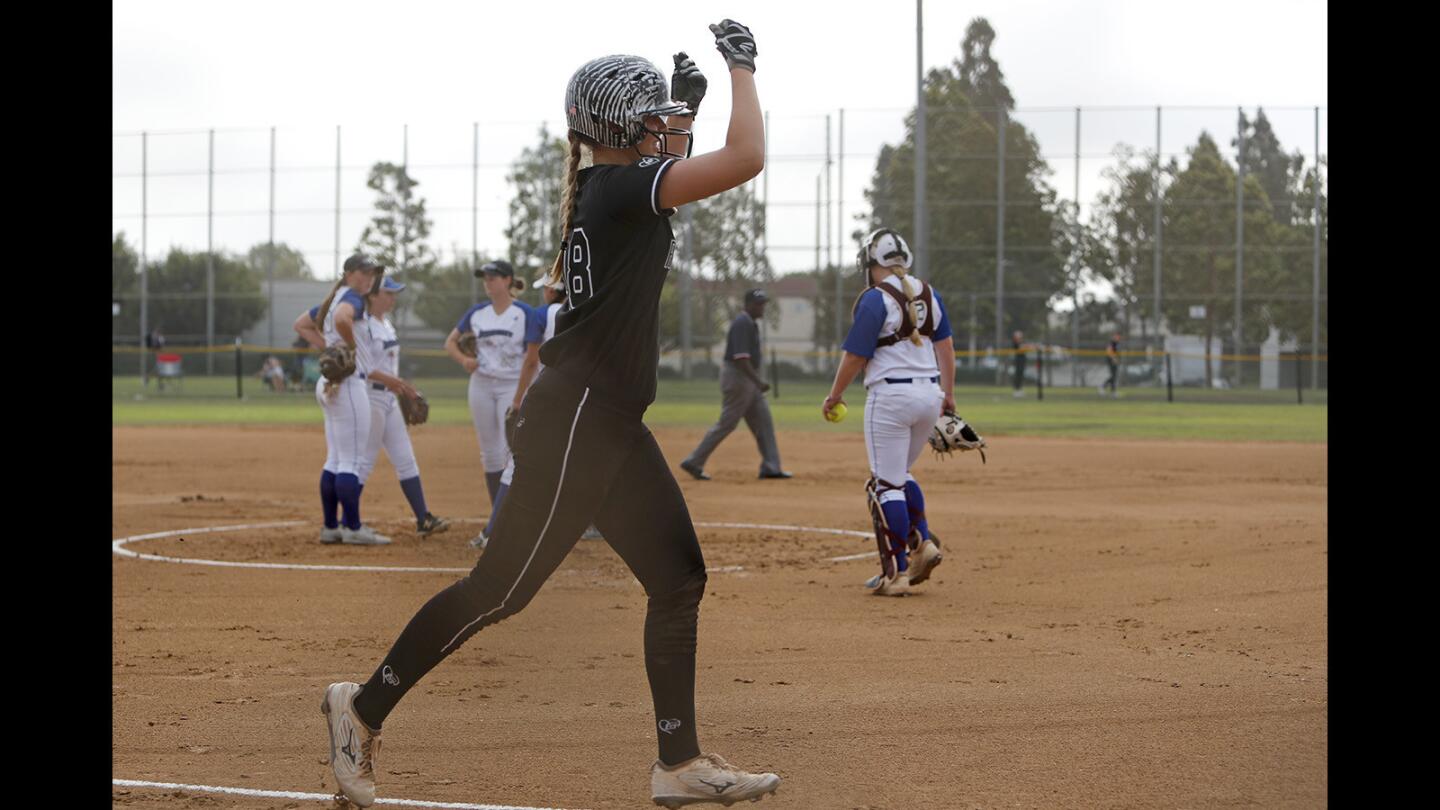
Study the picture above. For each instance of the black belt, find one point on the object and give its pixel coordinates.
(377, 386)
(896, 380)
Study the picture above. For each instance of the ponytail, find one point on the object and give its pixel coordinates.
(567, 205)
(911, 303)
(325, 307)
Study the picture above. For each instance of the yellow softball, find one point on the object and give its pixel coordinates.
(837, 413)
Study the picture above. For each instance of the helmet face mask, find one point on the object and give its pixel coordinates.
(608, 100)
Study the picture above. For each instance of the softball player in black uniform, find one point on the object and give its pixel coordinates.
(581, 452)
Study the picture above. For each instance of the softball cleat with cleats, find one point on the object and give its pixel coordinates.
(924, 559)
(430, 524)
(353, 746)
(707, 779)
(363, 536)
(331, 536)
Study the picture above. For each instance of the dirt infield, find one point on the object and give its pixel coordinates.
(1116, 624)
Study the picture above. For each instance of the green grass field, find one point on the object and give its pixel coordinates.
(1065, 412)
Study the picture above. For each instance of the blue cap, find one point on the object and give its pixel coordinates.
(391, 284)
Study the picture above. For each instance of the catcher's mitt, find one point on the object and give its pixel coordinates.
(416, 411)
(951, 433)
(337, 362)
(467, 345)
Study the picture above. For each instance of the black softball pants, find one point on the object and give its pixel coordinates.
(578, 460)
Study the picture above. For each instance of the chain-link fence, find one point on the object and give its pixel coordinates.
(1197, 234)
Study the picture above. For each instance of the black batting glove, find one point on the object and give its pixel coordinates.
(688, 84)
(736, 44)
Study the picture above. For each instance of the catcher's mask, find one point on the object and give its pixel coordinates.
(884, 247)
(608, 100)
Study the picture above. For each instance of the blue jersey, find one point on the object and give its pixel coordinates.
(501, 337)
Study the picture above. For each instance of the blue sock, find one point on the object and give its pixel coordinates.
(916, 500)
(897, 515)
(347, 487)
(415, 495)
(492, 484)
(499, 499)
(329, 503)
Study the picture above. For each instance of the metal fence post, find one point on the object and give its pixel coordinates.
(144, 274)
(1315, 280)
(337, 201)
(1159, 225)
(922, 220)
(474, 211)
(999, 235)
(1075, 266)
(829, 234)
(210, 262)
(1239, 238)
(270, 270)
(239, 359)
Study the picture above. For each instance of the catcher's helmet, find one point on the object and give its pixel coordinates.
(884, 247)
(608, 99)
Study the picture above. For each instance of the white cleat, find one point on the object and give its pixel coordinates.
(592, 533)
(898, 585)
(923, 560)
(331, 536)
(707, 778)
(480, 541)
(352, 745)
(363, 536)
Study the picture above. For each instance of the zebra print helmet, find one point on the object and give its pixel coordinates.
(608, 99)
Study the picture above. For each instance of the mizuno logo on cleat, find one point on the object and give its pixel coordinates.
(718, 788)
(347, 749)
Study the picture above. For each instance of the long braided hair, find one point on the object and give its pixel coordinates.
(578, 152)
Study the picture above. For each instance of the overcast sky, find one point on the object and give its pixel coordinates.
(373, 67)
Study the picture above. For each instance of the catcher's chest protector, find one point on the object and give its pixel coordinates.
(907, 324)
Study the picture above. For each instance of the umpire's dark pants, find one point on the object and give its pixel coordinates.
(741, 398)
(578, 460)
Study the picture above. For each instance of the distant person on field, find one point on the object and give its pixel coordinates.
(743, 393)
(1112, 359)
(1017, 342)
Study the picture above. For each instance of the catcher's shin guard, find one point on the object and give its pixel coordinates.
(889, 542)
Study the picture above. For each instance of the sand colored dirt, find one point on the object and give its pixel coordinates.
(1115, 624)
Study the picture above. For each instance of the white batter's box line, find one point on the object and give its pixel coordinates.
(324, 797)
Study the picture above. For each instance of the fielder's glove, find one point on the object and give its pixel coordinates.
(951, 433)
(416, 411)
(337, 362)
(735, 42)
(688, 84)
(467, 345)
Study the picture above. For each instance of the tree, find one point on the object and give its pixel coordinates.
(538, 177)
(124, 288)
(1120, 238)
(176, 289)
(396, 234)
(729, 230)
(963, 102)
(1264, 158)
(444, 295)
(290, 264)
(1199, 251)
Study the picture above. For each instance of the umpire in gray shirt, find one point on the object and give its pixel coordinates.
(744, 395)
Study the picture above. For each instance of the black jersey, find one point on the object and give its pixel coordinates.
(607, 337)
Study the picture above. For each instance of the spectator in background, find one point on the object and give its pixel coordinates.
(155, 340)
(743, 395)
(1017, 342)
(297, 361)
(273, 374)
